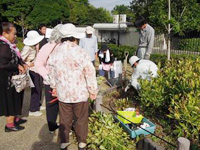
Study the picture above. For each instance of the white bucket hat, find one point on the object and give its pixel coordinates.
(89, 30)
(70, 30)
(33, 38)
(133, 59)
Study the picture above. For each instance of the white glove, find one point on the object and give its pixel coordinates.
(127, 87)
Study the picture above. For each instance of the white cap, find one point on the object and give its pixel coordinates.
(70, 30)
(133, 59)
(89, 30)
(33, 38)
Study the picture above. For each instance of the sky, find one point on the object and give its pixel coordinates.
(109, 4)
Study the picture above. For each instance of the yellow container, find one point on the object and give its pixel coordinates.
(130, 115)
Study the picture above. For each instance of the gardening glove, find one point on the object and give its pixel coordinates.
(127, 87)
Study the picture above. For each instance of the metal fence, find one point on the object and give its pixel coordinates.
(186, 44)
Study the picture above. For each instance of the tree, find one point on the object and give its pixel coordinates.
(28, 14)
(122, 9)
(78, 11)
(185, 14)
(100, 15)
(81, 12)
(17, 11)
(49, 12)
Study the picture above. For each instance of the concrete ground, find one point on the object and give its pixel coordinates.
(35, 136)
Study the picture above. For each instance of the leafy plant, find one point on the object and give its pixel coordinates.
(174, 97)
(104, 134)
(122, 104)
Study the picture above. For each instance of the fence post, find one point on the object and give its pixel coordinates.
(98, 102)
(183, 143)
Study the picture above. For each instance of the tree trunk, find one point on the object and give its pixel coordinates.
(23, 33)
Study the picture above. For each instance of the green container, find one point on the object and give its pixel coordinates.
(130, 115)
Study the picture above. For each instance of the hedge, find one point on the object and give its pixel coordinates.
(192, 44)
(119, 51)
(173, 97)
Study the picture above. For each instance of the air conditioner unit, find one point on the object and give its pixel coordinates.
(122, 18)
(115, 18)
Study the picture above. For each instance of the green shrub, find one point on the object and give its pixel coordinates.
(162, 58)
(105, 134)
(119, 51)
(174, 96)
(192, 44)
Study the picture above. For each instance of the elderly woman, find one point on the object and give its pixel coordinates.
(42, 69)
(10, 64)
(28, 54)
(73, 79)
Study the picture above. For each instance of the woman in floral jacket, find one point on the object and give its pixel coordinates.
(73, 79)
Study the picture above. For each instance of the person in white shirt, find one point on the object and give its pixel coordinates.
(143, 69)
(89, 43)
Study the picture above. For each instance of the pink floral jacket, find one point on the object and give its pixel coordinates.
(72, 73)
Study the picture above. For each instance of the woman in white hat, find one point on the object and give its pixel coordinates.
(28, 54)
(73, 79)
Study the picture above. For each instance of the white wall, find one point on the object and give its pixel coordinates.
(127, 37)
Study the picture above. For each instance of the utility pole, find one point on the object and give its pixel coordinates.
(169, 29)
(118, 41)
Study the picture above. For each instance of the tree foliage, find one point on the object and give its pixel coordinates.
(17, 11)
(81, 12)
(185, 15)
(28, 14)
(49, 12)
(122, 9)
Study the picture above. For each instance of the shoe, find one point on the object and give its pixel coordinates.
(21, 121)
(71, 132)
(13, 129)
(51, 132)
(82, 146)
(42, 107)
(36, 113)
(64, 146)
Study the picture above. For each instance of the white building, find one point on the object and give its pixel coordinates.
(112, 32)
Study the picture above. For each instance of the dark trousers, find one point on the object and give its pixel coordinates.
(67, 112)
(36, 92)
(93, 62)
(51, 109)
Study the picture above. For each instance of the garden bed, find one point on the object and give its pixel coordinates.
(118, 100)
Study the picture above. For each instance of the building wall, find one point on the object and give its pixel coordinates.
(127, 37)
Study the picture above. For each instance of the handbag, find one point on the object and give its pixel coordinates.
(20, 82)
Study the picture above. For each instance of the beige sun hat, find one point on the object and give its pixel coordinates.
(70, 30)
(33, 38)
(133, 59)
(89, 30)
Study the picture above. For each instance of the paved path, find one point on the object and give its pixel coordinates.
(35, 136)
